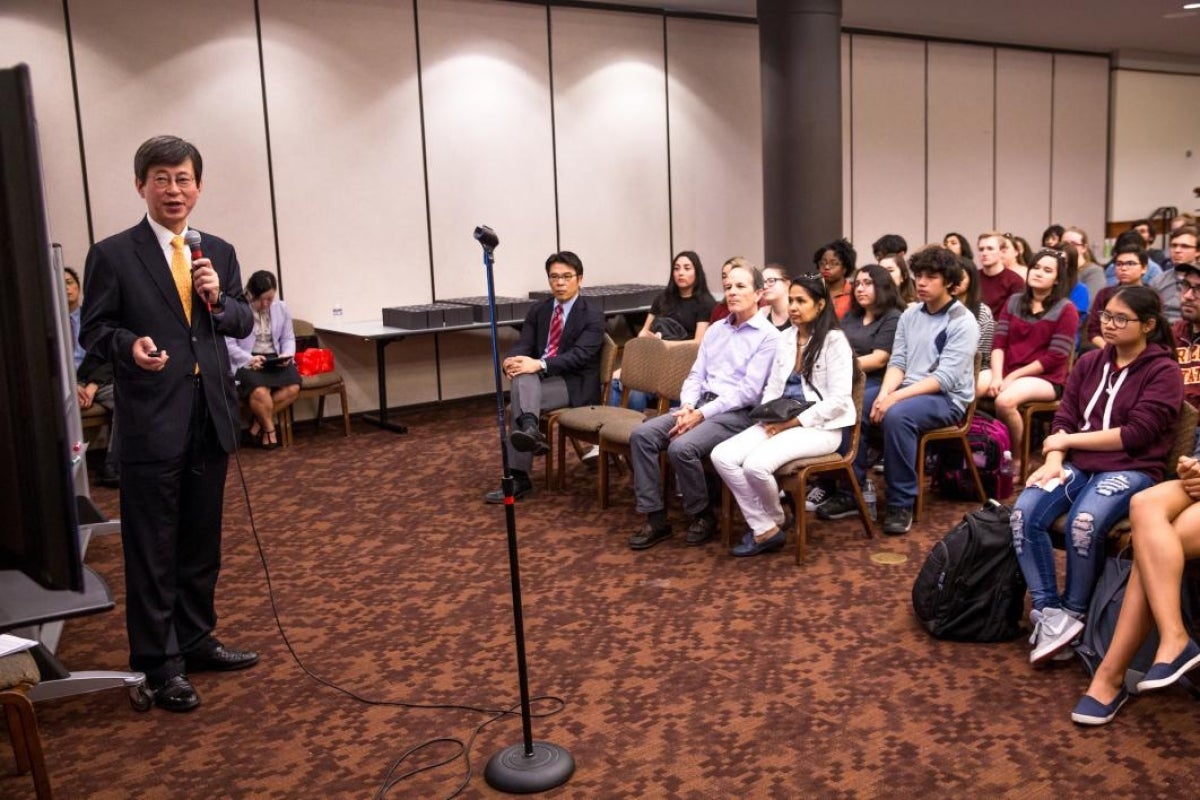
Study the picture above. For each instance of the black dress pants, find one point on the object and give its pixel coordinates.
(171, 535)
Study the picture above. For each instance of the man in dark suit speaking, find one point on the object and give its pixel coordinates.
(160, 317)
(555, 363)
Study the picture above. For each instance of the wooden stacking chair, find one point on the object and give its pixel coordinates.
(671, 371)
(549, 421)
(18, 674)
(317, 386)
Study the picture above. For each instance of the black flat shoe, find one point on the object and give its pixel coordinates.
(529, 441)
(176, 694)
(220, 659)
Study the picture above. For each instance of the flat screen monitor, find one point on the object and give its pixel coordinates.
(39, 532)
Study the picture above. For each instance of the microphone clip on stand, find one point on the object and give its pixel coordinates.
(530, 766)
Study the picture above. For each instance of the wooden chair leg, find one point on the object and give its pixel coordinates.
(602, 478)
(345, 409)
(18, 707)
(726, 515)
(562, 463)
(864, 514)
(1027, 425)
(966, 445)
(320, 411)
(920, 504)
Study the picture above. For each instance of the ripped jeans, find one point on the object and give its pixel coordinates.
(1093, 503)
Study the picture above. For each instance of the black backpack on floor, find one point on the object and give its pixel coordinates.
(970, 588)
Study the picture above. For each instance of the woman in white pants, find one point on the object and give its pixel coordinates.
(813, 362)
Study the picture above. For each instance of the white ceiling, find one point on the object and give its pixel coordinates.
(1137, 32)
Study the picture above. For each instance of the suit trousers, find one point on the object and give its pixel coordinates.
(686, 452)
(171, 534)
(533, 394)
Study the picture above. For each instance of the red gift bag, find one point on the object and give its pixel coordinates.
(314, 361)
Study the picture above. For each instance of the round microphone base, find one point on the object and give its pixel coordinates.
(513, 772)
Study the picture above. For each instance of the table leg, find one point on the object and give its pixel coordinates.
(381, 418)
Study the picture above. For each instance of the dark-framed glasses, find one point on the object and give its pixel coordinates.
(1118, 321)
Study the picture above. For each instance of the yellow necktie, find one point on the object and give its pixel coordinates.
(182, 276)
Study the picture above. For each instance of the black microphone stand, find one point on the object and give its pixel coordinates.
(530, 766)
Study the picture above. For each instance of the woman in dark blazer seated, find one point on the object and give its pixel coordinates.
(263, 361)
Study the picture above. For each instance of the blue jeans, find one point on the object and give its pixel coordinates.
(870, 392)
(1093, 503)
(902, 427)
(638, 401)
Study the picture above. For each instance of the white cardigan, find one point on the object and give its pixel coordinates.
(833, 377)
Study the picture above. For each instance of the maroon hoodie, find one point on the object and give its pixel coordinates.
(1142, 400)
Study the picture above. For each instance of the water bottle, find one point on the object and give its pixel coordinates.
(1005, 483)
(870, 497)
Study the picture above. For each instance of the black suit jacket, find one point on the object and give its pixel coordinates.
(578, 359)
(129, 293)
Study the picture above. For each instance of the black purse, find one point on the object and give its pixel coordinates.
(781, 409)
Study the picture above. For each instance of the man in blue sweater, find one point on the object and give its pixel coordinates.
(929, 382)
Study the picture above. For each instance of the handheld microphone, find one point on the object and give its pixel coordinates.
(192, 240)
(487, 237)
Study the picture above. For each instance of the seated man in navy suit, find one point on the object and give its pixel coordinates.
(555, 363)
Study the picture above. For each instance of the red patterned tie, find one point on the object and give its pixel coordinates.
(556, 326)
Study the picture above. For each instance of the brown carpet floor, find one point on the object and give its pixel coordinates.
(685, 673)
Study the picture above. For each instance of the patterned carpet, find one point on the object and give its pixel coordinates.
(685, 673)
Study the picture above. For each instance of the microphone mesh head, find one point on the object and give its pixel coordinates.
(192, 239)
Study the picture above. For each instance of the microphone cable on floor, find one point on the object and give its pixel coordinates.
(390, 778)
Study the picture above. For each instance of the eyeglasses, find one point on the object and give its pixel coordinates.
(1118, 321)
(181, 181)
(773, 280)
(864, 283)
(829, 262)
(1127, 264)
(1182, 246)
(1185, 286)
(561, 278)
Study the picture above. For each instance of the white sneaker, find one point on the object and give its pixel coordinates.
(816, 496)
(590, 453)
(1052, 632)
(1066, 654)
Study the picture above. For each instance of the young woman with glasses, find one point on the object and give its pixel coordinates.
(775, 295)
(1110, 438)
(836, 262)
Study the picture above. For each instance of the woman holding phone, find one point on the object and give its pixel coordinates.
(263, 362)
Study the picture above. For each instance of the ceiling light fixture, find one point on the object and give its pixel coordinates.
(1190, 6)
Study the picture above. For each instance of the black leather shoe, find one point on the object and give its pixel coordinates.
(109, 477)
(176, 694)
(647, 536)
(701, 530)
(220, 658)
(521, 490)
(526, 438)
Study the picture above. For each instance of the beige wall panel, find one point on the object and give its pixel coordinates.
(146, 68)
(485, 69)
(1079, 170)
(611, 132)
(341, 80)
(889, 140)
(847, 138)
(961, 136)
(1023, 124)
(716, 144)
(1155, 143)
(33, 32)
